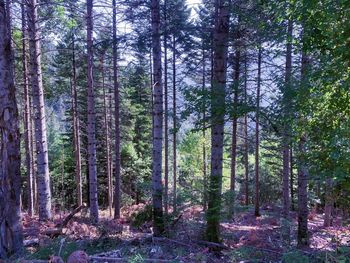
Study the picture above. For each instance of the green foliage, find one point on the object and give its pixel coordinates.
(140, 217)
(229, 204)
(191, 177)
(252, 255)
(295, 257)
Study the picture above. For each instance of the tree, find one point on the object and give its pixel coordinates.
(27, 118)
(236, 86)
(76, 126)
(166, 113)
(117, 193)
(157, 191)
(174, 128)
(287, 109)
(303, 173)
(257, 138)
(43, 175)
(246, 145)
(11, 238)
(218, 85)
(91, 118)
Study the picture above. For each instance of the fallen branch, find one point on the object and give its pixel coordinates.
(58, 230)
(175, 221)
(70, 216)
(115, 260)
(53, 232)
(34, 261)
(31, 242)
(171, 240)
(211, 244)
(263, 249)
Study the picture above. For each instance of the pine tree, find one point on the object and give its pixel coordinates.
(11, 238)
(91, 119)
(42, 164)
(221, 32)
(157, 191)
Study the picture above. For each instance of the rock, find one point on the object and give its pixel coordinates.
(78, 256)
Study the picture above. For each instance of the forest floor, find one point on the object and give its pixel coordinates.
(245, 239)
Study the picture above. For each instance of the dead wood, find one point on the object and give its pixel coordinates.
(164, 239)
(70, 216)
(115, 260)
(31, 242)
(58, 230)
(211, 244)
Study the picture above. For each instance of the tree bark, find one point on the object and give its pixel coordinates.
(166, 121)
(291, 180)
(117, 191)
(287, 108)
(91, 118)
(329, 203)
(43, 175)
(205, 178)
(246, 145)
(257, 139)
(76, 127)
(34, 166)
(221, 32)
(236, 76)
(157, 191)
(11, 238)
(303, 236)
(27, 118)
(174, 128)
(107, 137)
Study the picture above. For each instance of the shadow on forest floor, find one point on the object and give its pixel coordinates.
(246, 238)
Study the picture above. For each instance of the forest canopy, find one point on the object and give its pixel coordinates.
(164, 117)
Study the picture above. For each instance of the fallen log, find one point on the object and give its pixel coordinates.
(58, 230)
(31, 242)
(116, 260)
(34, 261)
(211, 244)
(70, 216)
(164, 239)
(53, 232)
(176, 220)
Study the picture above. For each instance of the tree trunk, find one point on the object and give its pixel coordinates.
(257, 139)
(221, 32)
(236, 76)
(117, 191)
(174, 127)
(91, 118)
(291, 180)
(43, 175)
(157, 191)
(303, 236)
(246, 145)
(205, 178)
(286, 132)
(76, 127)
(166, 129)
(34, 166)
(107, 141)
(11, 238)
(329, 203)
(27, 118)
